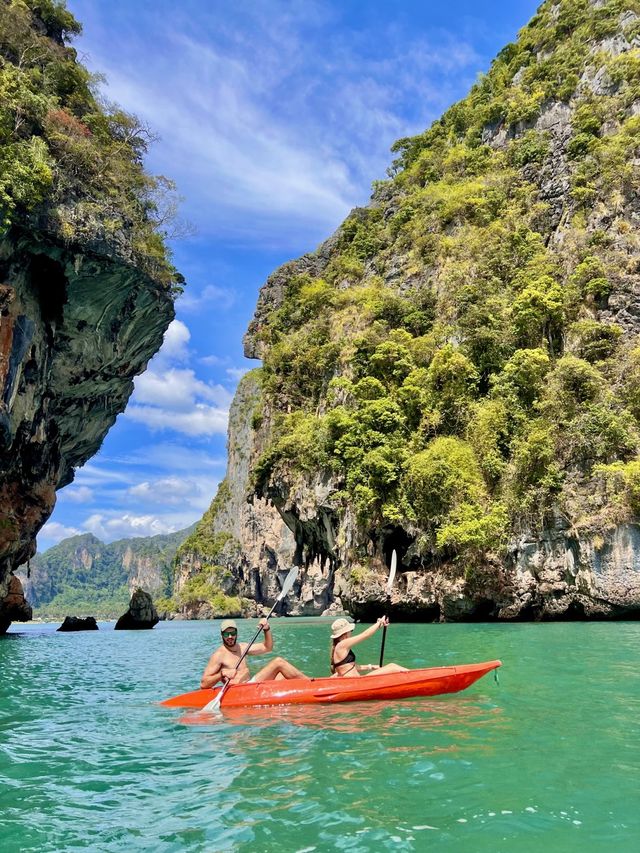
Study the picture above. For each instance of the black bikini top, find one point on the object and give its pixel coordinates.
(350, 658)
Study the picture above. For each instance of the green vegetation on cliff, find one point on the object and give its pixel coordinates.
(82, 575)
(465, 363)
(68, 160)
(204, 555)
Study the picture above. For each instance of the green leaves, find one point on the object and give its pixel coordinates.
(472, 380)
(61, 149)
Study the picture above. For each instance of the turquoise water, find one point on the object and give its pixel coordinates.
(549, 759)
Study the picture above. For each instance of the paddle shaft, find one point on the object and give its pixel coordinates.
(392, 576)
(255, 636)
(384, 637)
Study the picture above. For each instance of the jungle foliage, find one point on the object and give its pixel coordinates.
(455, 367)
(82, 575)
(68, 157)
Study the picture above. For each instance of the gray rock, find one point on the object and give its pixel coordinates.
(141, 614)
(78, 623)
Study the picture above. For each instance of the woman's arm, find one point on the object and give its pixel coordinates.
(368, 632)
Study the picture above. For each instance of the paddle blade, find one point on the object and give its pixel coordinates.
(392, 572)
(288, 583)
(214, 705)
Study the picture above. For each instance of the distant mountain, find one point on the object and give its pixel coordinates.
(82, 574)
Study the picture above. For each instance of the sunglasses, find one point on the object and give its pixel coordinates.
(229, 633)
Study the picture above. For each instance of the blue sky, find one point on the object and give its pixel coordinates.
(273, 119)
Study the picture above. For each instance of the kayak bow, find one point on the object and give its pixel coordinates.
(312, 691)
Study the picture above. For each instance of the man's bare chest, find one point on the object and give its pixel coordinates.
(230, 658)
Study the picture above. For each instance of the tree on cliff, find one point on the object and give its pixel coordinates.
(66, 156)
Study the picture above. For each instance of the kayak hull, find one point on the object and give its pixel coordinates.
(314, 691)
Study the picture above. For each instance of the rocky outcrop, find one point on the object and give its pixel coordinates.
(15, 607)
(78, 623)
(141, 614)
(261, 546)
(86, 283)
(75, 328)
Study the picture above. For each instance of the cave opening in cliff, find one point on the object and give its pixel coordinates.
(394, 539)
(50, 284)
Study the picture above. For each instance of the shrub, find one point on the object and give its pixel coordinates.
(628, 474)
(570, 384)
(452, 381)
(391, 361)
(590, 278)
(629, 372)
(369, 388)
(594, 341)
(537, 310)
(441, 477)
(531, 147)
(523, 375)
(599, 433)
(534, 475)
(488, 433)
(472, 528)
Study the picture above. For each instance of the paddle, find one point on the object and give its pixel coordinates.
(286, 586)
(392, 575)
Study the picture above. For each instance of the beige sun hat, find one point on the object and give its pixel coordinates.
(340, 627)
(227, 623)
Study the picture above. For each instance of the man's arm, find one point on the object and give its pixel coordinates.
(212, 672)
(267, 645)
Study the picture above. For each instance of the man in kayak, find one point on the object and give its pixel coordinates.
(222, 663)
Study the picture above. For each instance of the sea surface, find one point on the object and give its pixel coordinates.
(546, 760)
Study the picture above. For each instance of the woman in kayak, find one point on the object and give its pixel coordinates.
(343, 660)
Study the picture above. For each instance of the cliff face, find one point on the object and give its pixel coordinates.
(83, 575)
(455, 374)
(75, 328)
(85, 278)
(241, 550)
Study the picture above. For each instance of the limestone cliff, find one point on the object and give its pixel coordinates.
(455, 374)
(76, 328)
(85, 280)
(241, 550)
(82, 575)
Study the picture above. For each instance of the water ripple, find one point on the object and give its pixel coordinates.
(549, 758)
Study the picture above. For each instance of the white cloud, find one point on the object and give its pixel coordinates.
(195, 492)
(177, 389)
(237, 372)
(77, 494)
(175, 343)
(210, 296)
(54, 532)
(170, 397)
(95, 475)
(153, 490)
(122, 526)
(175, 399)
(213, 360)
(201, 420)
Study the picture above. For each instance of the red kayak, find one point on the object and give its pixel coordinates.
(313, 691)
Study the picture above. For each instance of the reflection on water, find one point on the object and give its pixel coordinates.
(380, 718)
